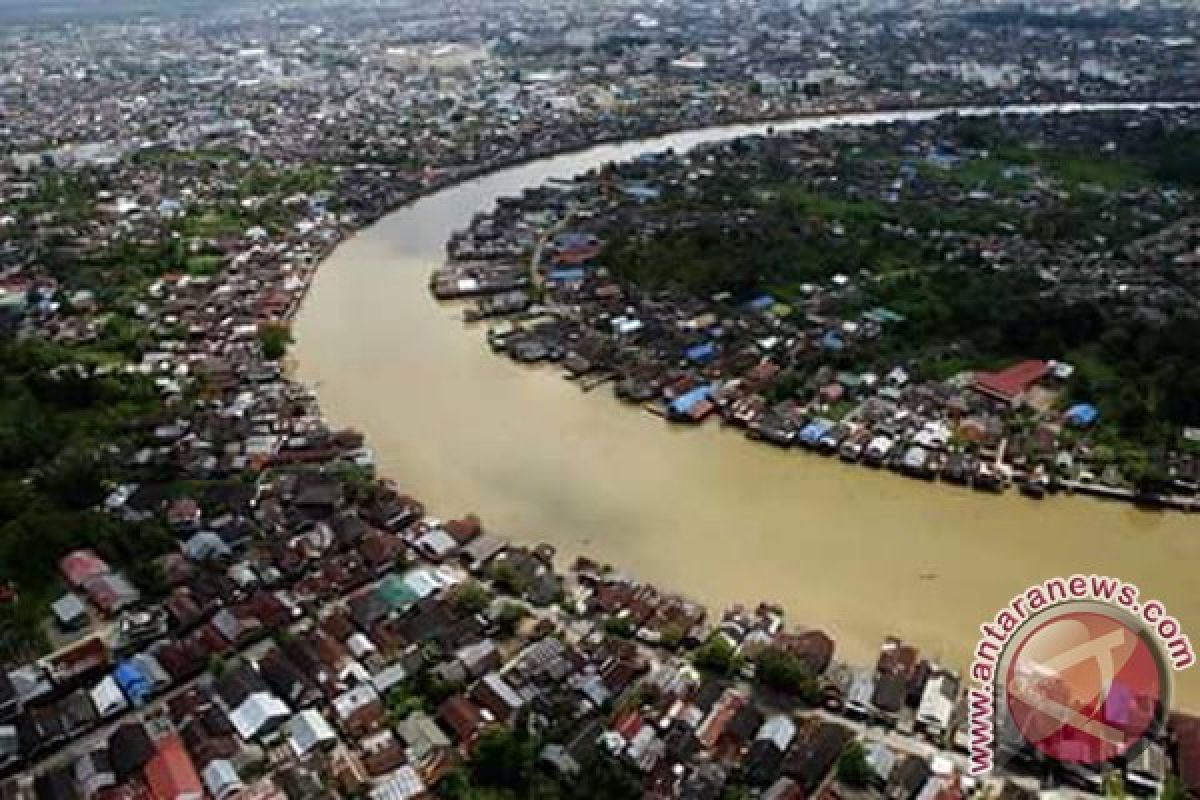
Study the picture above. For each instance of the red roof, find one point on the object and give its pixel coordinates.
(461, 716)
(628, 724)
(1010, 383)
(80, 566)
(171, 775)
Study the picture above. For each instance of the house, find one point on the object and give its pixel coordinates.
(170, 774)
(938, 702)
(108, 698)
(907, 779)
(309, 731)
(887, 699)
(763, 760)
(858, 696)
(463, 719)
(494, 693)
(260, 714)
(476, 555)
(81, 566)
(8, 698)
(286, 680)
(56, 784)
(403, 784)
(359, 710)
(421, 736)
(94, 772)
(70, 613)
(1010, 385)
(222, 780)
(381, 753)
(10, 747)
(129, 749)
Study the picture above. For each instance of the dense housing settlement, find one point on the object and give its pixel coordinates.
(951, 298)
(206, 592)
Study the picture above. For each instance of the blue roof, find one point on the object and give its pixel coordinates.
(136, 685)
(882, 315)
(567, 275)
(813, 431)
(761, 303)
(832, 341)
(572, 239)
(641, 192)
(702, 353)
(685, 402)
(1082, 414)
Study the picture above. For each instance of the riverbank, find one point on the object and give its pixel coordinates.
(813, 357)
(699, 512)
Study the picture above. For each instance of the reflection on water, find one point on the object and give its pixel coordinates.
(858, 552)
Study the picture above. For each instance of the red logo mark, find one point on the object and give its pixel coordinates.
(1083, 687)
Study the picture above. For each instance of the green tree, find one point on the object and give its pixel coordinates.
(504, 759)
(471, 598)
(509, 616)
(852, 766)
(785, 672)
(717, 655)
(76, 479)
(274, 338)
(507, 579)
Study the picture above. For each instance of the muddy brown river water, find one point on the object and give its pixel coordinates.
(701, 511)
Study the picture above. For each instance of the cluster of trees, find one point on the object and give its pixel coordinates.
(504, 766)
(774, 668)
(1143, 375)
(59, 417)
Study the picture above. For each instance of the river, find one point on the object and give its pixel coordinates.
(701, 511)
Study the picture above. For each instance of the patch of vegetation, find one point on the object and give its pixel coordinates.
(274, 339)
(718, 656)
(784, 672)
(58, 416)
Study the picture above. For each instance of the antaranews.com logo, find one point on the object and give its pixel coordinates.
(1077, 669)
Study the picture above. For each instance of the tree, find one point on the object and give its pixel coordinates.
(717, 655)
(401, 702)
(76, 479)
(471, 598)
(602, 777)
(507, 579)
(509, 617)
(504, 759)
(852, 766)
(274, 339)
(621, 627)
(787, 673)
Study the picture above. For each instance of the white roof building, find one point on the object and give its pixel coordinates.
(938, 702)
(779, 729)
(308, 731)
(221, 779)
(260, 713)
(108, 698)
(403, 784)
